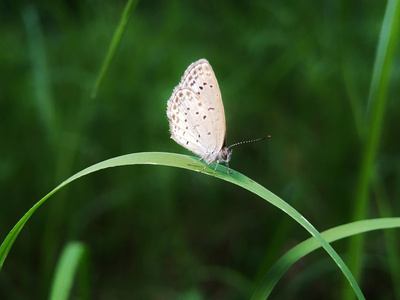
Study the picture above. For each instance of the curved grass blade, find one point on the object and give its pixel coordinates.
(182, 161)
(286, 261)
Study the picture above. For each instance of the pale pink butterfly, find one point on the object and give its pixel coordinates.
(197, 118)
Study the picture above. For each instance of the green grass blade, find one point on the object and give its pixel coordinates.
(181, 161)
(376, 106)
(285, 262)
(391, 237)
(40, 70)
(72, 258)
(130, 6)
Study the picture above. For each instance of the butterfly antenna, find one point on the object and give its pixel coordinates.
(250, 141)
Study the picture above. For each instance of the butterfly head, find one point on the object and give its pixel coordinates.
(225, 154)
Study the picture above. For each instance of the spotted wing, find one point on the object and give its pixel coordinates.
(200, 84)
(191, 124)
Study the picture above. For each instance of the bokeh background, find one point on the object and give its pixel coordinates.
(297, 70)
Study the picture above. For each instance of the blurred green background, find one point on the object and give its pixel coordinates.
(297, 70)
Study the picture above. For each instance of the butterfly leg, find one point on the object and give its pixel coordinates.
(199, 161)
(227, 169)
(206, 167)
(216, 167)
(196, 161)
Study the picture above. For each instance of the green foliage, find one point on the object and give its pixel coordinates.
(384, 62)
(300, 71)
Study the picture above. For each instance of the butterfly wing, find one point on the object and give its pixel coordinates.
(188, 122)
(196, 112)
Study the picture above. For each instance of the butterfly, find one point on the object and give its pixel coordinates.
(197, 117)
